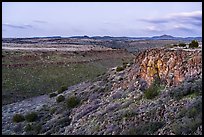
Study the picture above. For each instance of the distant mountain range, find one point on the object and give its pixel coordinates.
(162, 37)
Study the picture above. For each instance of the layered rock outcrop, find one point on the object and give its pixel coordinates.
(171, 66)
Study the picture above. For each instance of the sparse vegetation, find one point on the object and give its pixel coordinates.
(72, 102)
(60, 98)
(145, 128)
(154, 89)
(52, 110)
(31, 117)
(33, 128)
(119, 68)
(52, 95)
(37, 75)
(181, 92)
(28, 128)
(193, 44)
(182, 45)
(62, 89)
(18, 118)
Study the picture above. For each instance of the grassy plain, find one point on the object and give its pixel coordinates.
(26, 74)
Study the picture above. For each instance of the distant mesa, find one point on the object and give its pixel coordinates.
(163, 37)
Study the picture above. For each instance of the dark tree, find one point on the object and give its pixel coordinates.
(193, 44)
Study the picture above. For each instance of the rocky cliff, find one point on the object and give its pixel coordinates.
(159, 94)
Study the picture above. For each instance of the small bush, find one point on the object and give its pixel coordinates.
(120, 79)
(193, 44)
(125, 64)
(62, 89)
(60, 98)
(52, 95)
(119, 68)
(31, 117)
(28, 128)
(192, 112)
(154, 89)
(34, 128)
(151, 92)
(52, 110)
(182, 45)
(72, 102)
(18, 118)
(145, 128)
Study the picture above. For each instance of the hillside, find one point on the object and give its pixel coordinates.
(159, 94)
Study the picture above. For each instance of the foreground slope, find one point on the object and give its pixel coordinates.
(160, 93)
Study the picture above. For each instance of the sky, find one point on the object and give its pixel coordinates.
(131, 19)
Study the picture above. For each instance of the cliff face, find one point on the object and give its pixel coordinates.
(171, 66)
(117, 102)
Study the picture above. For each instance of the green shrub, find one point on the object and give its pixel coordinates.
(62, 89)
(120, 79)
(72, 102)
(31, 117)
(177, 128)
(18, 118)
(53, 95)
(192, 112)
(182, 45)
(125, 64)
(145, 128)
(154, 89)
(52, 110)
(34, 128)
(28, 127)
(151, 92)
(60, 98)
(193, 44)
(119, 68)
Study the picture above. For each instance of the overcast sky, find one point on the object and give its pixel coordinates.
(135, 19)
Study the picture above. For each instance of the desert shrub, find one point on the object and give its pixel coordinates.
(186, 126)
(145, 128)
(119, 68)
(129, 114)
(28, 128)
(31, 117)
(188, 90)
(72, 102)
(52, 95)
(193, 44)
(177, 128)
(18, 118)
(120, 79)
(125, 64)
(182, 45)
(34, 128)
(153, 90)
(63, 122)
(52, 110)
(62, 89)
(192, 112)
(60, 98)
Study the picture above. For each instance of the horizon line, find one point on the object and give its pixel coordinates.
(102, 36)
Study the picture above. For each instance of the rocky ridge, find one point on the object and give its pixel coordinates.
(117, 103)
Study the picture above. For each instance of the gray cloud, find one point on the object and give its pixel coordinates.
(193, 18)
(17, 26)
(40, 21)
(155, 20)
(186, 29)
